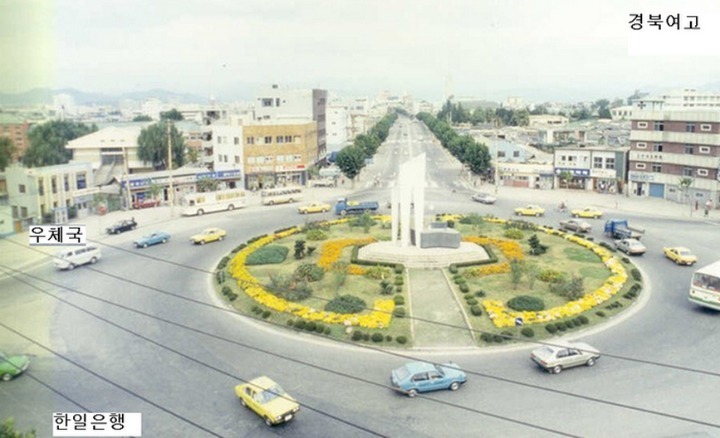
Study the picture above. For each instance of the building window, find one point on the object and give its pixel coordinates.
(297, 158)
(277, 102)
(687, 171)
(658, 147)
(297, 138)
(610, 163)
(689, 149)
(704, 149)
(641, 145)
(659, 125)
(267, 102)
(640, 166)
(597, 162)
(250, 140)
(237, 159)
(279, 139)
(281, 158)
(516, 154)
(23, 212)
(689, 127)
(288, 139)
(236, 140)
(705, 127)
(501, 154)
(268, 139)
(81, 183)
(657, 168)
(642, 125)
(219, 139)
(41, 187)
(702, 172)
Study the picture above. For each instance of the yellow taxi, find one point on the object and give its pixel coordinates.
(267, 399)
(587, 212)
(314, 207)
(208, 235)
(530, 210)
(680, 255)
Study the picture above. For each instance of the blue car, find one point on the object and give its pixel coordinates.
(417, 377)
(152, 239)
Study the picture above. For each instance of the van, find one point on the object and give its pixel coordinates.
(69, 258)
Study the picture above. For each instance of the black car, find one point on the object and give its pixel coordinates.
(122, 226)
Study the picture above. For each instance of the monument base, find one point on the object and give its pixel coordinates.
(414, 257)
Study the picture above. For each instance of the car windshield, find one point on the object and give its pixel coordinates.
(545, 351)
(271, 394)
(685, 253)
(402, 373)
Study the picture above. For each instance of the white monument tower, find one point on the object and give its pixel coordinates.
(408, 198)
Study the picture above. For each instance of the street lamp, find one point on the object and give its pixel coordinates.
(171, 191)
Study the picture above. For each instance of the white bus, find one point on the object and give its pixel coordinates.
(705, 286)
(281, 195)
(208, 202)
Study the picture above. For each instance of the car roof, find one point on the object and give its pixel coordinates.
(418, 367)
(262, 382)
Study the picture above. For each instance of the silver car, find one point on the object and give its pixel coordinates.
(555, 358)
(484, 198)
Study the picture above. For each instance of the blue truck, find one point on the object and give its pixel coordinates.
(345, 207)
(619, 229)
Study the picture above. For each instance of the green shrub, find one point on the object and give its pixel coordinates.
(327, 330)
(550, 276)
(288, 287)
(388, 338)
(536, 248)
(266, 314)
(345, 304)
(300, 324)
(399, 300)
(480, 293)
(377, 273)
(526, 303)
(497, 338)
(635, 274)
(600, 313)
(471, 301)
(514, 233)
(401, 339)
(399, 312)
(399, 280)
(589, 238)
(476, 310)
(453, 269)
(487, 337)
(226, 290)
(377, 337)
(290, 322)
(320, 327)
(357, 335)
(366, 336)
(583, 319)
(635, 288)
(464, 288)
(267, 255)
(527, 332)
(238, 248)
(625, 260)
(399, 269)
(311, 326)
(507, 336)
(398, 288)
(309, 272)
(576, 322)
(457, 277)
(561, 326)
(315, 235)
(223, 262)
(551, 328)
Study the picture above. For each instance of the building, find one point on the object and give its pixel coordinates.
(338, 126)
(621, 113)
(591, 168)
(274, 103)
(50, 194)
(671, 142)
(279, 153)
(16, 129)
(547, 120)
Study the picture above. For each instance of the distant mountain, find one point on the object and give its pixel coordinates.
(44, 96)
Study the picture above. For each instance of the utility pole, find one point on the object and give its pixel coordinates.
(171, 191)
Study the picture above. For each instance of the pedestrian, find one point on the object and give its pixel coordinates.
(708, 206)
(697, 205)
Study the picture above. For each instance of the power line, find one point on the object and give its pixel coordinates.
(489, 376)
(415, 318)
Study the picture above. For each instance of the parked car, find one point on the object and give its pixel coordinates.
(314, 207)
(575, 225)
(152, 239)
(680, 255)
(484, 198)
(415, 377)
(122, 226)
(322, 182)
(587, 212)
(72, 257)
(630, 246)
(146, 203)
(267, 399)
(208, 235)
(555, 358)
(11, 366)
(530, 210)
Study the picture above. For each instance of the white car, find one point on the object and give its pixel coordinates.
(70, 258)
(484, 198)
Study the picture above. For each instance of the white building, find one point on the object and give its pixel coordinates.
(227, 144)
(338, 128)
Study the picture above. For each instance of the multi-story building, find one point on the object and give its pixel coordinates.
(16, 129)
(601, 169)
(338, 129)
(278, 153)
(49, 194)
(671, 145)
(274, 103)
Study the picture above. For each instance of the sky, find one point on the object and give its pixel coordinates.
(539, 50)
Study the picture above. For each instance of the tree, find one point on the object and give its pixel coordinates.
(207, 184)
(142, 118)
(477, 158)
(193, 155)
(350, 160)
(516, 272)
(153, 145)
(155, 189)
(7, 149)
(48, 141)
(684, 183)
(565, 177)
(173, 114)
(7, 430)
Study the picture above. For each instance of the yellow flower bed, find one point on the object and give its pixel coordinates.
(503, 317)
(331, 250)
(379, 317)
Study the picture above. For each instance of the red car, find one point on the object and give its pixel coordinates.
(146, 203)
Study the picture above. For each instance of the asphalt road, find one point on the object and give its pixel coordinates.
(662, 379)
